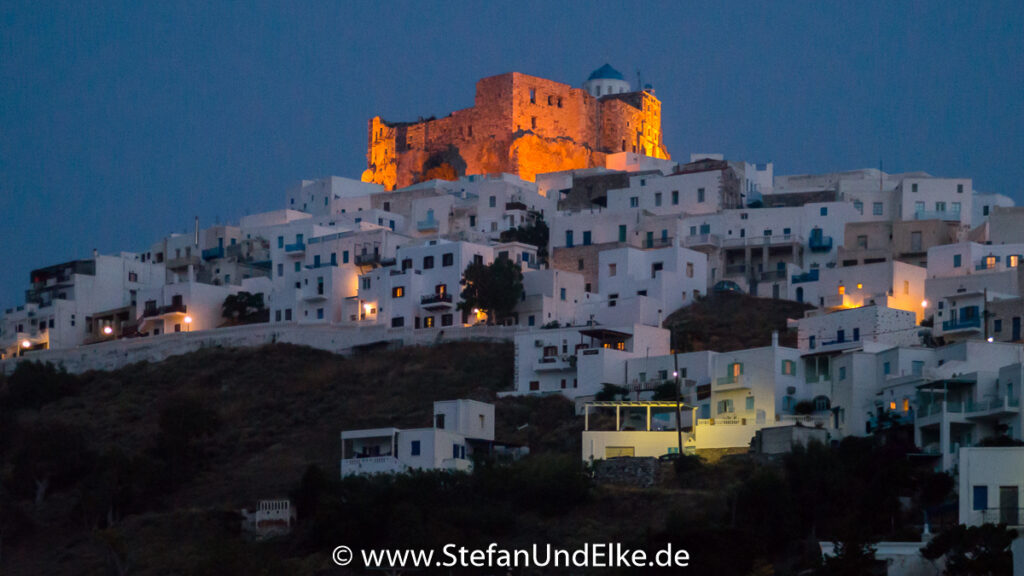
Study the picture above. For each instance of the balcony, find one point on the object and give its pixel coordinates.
(213, 253)
(183, 262)
(515, 206)
(759, 241)
(773, 275)
(984, 266)
(820, 243)
(428, 225)
(658, 242)
(809, 276)
(314, 292)
(1012, 517)
(372, 465)
(154, 311)
(993, 408)
(736, 270)
(555, 363)
(731, 382)
(703, 241)
(962, 324)
(296, 248)
(947, 215)
(437, 301)
(367, 259)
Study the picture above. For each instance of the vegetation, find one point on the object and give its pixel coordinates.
(711, 322)
(974, 551)
(495, 288)
(535, 233)
(245, 308)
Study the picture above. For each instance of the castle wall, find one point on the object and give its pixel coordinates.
(519, 124)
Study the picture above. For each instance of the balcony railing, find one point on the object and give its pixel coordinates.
(736, 270)
(985, 266)
(993, 404)
(445, 298)
(809, 276)
(426, 225)
(820, 243)
(367, 259)
(151, 311)
(296, 247)
(756, 241)
(213, 253)
(703, 240)
(1009, 516)
(961, 324)
(371, 465)
(773, 275)
(658, 242)
(936, 215)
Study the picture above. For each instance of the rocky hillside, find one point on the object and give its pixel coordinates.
(732, 321)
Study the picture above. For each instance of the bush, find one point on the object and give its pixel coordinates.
(35, 384)
(610, 392)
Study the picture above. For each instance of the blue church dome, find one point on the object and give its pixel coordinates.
(606, 72)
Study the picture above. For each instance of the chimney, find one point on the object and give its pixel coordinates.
(775, 338)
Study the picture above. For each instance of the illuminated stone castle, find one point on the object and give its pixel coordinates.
(521, 125)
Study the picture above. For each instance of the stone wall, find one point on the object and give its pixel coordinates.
(639, 472)
(519, 124)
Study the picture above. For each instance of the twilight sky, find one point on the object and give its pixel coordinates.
(120, 121)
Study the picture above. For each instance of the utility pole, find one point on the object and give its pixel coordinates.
(679, 406)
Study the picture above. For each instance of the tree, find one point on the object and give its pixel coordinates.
(535, 233)
(494, 289)
(974, 551)
(243, 307)
(52, 455)
(852, 558)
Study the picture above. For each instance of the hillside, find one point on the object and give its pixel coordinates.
(732, 321)
(143, 471)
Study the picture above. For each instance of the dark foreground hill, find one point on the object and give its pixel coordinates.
(141, 471)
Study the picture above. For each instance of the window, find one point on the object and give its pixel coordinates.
(366, 283)
(534, 385)
(657, 198)
(876, 208)
(280, 270)
(428, 322)
(959, 188)
(906, 287)
(428, 262)
(472, 220)
(842, 289)
(997, 325)
(858, 206)
(725, 406)
(675, 197)
(811, 342)
(447, 259)
(586, 237)
(280, 241)
(533, 122)
(956, 207)
(842, 372)
(750, 403)
(984, 210)
(917, 367)
(398, 322)
(492, 201)
(856, 334)
(788, 367)
(414, 450)
(580, 264)
(533, 95)
(568, 238)
(398, 292)
(531, 320)
(689, 269)
(612, 269)
(980, 498)
(298, 266)
(862, 242)
(1012, 261)
(561, 293)
(957, 260)
(824, 211)
(344, 257)
(447, 319)
(915, 241)
(634, 201)
(700, 194)
(990, 262)
(277, 315)
(940, 206)
(622, 232)
(913, 187)
(319, 313)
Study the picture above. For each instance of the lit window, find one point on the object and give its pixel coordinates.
(397, 292)
(842, 289)
(892, 405)
(860, 286)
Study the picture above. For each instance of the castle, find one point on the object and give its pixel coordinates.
(522, 125)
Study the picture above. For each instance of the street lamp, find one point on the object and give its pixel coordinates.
(188, 323)
(108, 330)
(924, 303)
(26, 344)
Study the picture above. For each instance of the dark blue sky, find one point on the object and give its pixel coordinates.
(121, 121)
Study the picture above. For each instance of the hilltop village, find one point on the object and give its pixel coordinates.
(554, 217)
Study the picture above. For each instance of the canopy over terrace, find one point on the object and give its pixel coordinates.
(644, 407)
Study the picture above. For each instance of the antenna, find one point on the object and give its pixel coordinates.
(639, 80)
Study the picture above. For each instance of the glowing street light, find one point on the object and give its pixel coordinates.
(26, 344)
(924, 303)
(108, 330)
(991, 339)
(188, 323)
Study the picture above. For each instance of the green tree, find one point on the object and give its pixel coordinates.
(974, 551)
(494, 288)
(243, 307)
(535, 233)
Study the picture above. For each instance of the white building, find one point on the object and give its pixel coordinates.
(461, 428)
(990, 484)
